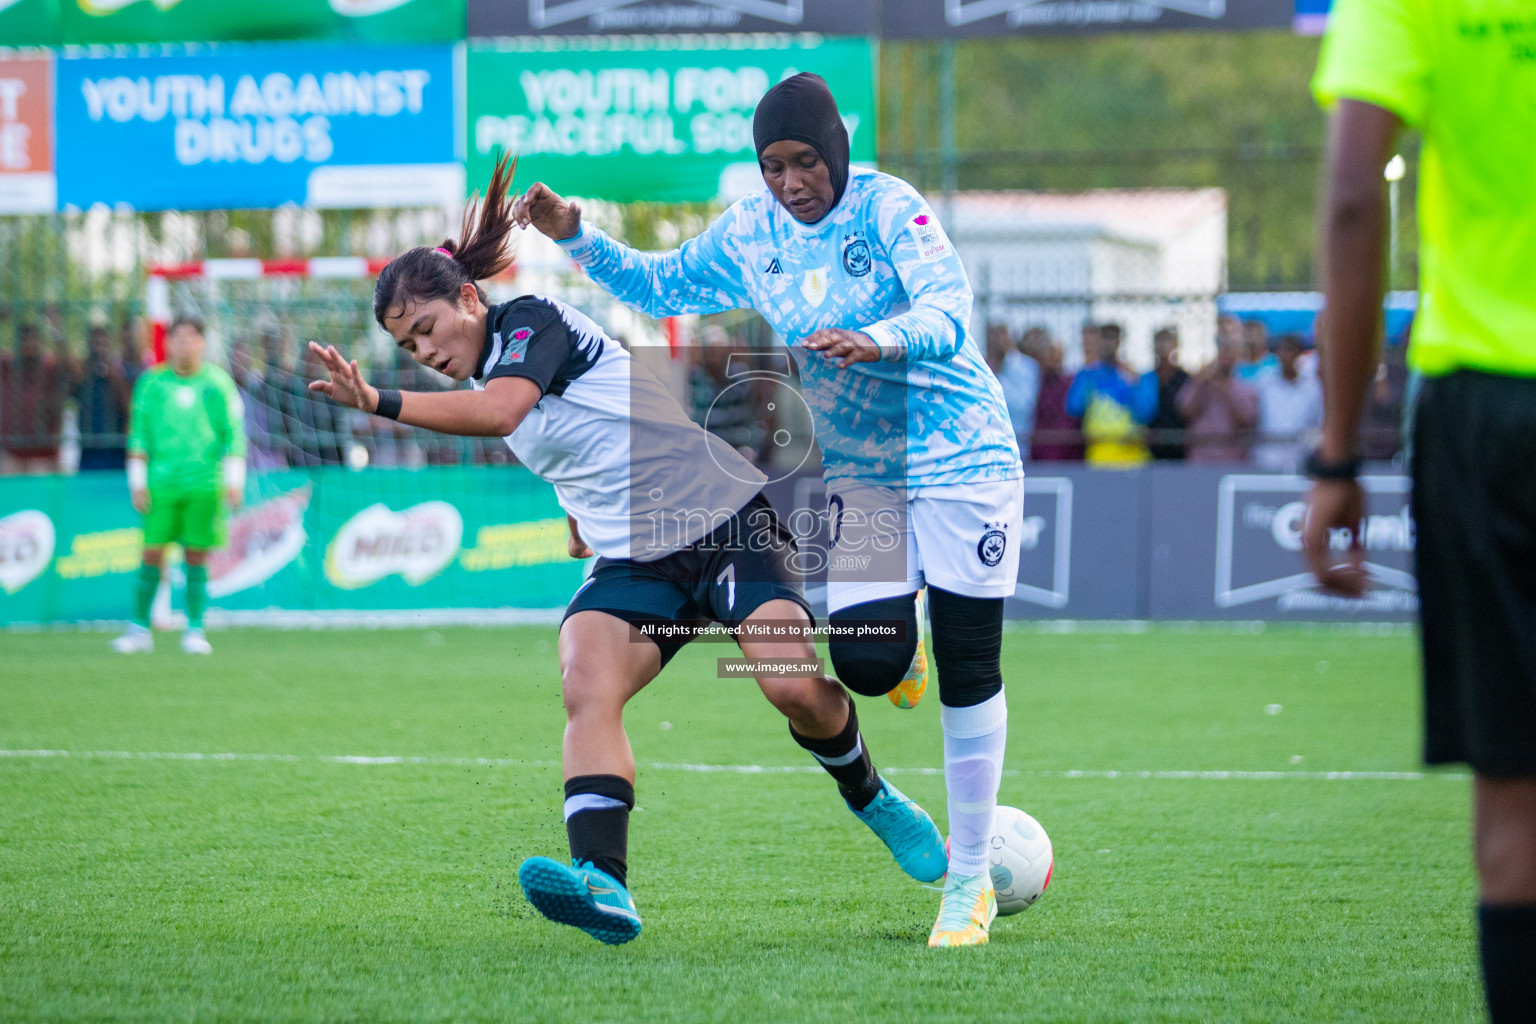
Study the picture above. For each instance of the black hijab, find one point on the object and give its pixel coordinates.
(801, 109)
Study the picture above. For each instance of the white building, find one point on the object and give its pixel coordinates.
(1142, 258)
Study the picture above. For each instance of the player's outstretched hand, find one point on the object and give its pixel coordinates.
(346, 386)
(1336, 505)
(545, 210)
(847, 347)
(140, 500)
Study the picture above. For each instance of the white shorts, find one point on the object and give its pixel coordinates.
(886, 542)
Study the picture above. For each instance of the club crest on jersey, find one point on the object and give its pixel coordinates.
(814, 286)
(993, 543)
(856, 258)
(773, 267)
(932, 243)
(517, 346)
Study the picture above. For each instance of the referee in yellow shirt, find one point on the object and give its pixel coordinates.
(1463, 74)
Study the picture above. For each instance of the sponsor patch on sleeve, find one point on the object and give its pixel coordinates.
(932, 243)
(516, 346)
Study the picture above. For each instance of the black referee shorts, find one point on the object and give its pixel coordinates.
(725, 577)
(1474, 499)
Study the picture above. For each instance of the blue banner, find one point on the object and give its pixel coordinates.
(259, 126)
(1312, 16)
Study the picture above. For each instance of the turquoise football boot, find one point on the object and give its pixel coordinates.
(906, 828)
(581, 896)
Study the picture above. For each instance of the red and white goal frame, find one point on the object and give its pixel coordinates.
(157, 287)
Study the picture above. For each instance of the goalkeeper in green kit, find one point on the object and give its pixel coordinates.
(186, 460)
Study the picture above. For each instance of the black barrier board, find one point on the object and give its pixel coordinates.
(921, 19)
(1226, 544)
(1080, 553)
(1170, 542)
(668, 17)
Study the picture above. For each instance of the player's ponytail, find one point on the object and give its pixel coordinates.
(482, 251)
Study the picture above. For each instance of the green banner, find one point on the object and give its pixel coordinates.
(643, 124)
(30, 23)
(56, 22)
(316, 541)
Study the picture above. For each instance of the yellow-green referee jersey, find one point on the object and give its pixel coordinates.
(1462, 72)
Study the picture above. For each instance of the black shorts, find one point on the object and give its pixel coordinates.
(724, 577)
(1474, 500)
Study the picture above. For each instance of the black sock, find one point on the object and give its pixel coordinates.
(597, 822)
(1507, 932)
(846, 759)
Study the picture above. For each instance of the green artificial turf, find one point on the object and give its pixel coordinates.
(161, 889)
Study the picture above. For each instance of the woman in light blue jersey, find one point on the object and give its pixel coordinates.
(925, 486)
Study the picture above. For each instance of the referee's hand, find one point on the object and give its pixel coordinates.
(1336, 505)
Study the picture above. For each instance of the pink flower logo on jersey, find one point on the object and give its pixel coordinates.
(522, 334)
(931, 243)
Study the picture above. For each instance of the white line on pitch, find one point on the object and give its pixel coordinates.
(736, 769)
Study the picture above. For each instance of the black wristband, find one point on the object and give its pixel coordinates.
(1319, 468)
(389, 404)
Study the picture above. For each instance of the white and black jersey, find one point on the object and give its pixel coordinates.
(640, 478)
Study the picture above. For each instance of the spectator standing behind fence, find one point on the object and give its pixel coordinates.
(1290, 410)
(132, 347)
(1058, 436)
(320, 430)
(1114, 403)
(32, 388)
(1088, 343)
(1019, 375)
(1229, 328)
(276, 395)
(103, 395)
(1258, 360)
(1381, 422)
(1220, 410)
(1167, 424)
(245, 371)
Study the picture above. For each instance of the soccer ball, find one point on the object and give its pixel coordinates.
(1021, 858)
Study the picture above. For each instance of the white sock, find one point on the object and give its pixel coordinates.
(974, 738)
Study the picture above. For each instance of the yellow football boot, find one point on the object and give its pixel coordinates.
(914, 684)
(966, 912)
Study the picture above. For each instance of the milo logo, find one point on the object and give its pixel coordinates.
(415, 544)
(263, 539)
(26, 548)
